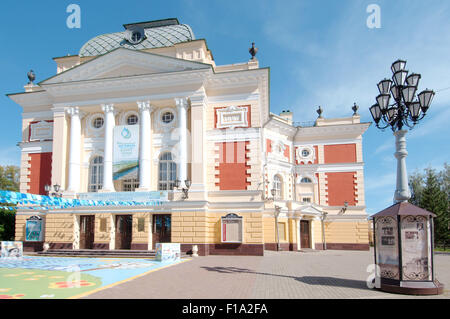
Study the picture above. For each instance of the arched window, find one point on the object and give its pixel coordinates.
(278, 186)
(306, 180)
(167, 172)
(96, 174)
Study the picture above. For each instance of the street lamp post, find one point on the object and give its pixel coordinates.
(277, 213)
(405, 111)
(403, 233)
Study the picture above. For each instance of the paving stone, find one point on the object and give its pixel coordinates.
(290, 275)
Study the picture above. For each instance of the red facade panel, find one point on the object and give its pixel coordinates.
(341, 153)
(233, 157)
(341, 187)
(40, 172)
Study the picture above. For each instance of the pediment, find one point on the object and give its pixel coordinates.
(124, 62)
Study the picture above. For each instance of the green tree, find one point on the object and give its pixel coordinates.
(9, 180)
(430, 191)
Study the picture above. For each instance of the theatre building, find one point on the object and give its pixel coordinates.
(146, 114)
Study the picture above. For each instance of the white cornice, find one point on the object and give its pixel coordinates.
(332, 130)
(36, 147)
(237, 134)
(128, 83)
(330, 168)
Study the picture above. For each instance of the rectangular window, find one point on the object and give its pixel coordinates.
(306, 199)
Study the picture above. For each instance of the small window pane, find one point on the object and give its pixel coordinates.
(98, 122)
(167, 117)
(132, 120)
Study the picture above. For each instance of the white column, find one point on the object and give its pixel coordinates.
(144, 145)
(182, 106)
(402, 193)
(110, 122)
(299, 236)
(74, 150)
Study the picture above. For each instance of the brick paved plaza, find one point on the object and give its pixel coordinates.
(313, 274)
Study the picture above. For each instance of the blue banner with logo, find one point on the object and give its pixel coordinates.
(126, 152)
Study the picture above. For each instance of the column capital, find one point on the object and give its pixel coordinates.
(107, 108)
(75, 110)
(181, 102)
(144, 106)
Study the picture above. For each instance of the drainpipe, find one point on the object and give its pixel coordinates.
(324, 215)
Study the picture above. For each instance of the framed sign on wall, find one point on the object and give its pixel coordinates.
(231, 228)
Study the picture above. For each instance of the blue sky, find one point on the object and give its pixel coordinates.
(319, 53)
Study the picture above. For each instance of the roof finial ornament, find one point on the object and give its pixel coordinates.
(253, 50)
(319, 111)
(355, 109)
(31, 76)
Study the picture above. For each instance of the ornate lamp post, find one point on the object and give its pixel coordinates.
(273, 191)
(185, 190)
(403, 233)
(405, 111)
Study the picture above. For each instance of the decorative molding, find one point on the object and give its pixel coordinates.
(232, 117)
(162, 127)
(41, 131)
(92, 131)
(125, 114)
(305, 158)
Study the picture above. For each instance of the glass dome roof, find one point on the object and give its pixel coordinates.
(155, 37)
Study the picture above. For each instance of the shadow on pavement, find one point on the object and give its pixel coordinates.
(310, 280)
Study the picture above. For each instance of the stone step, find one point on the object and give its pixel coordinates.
(101, 253)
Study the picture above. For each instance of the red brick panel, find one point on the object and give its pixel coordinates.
(287, 152)
(341, 188)
(268, 146)
(233, 157)
(341, 153)
(40, 172)
(316, 150)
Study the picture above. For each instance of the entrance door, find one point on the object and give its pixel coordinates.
(161, 229)
(124, 225)
(304, 234)
(87, 228)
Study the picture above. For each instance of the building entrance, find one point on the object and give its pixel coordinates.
(124, 225)
(161, 229)
(87, 227)
(305, 234)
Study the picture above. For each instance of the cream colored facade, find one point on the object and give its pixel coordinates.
(225, 112)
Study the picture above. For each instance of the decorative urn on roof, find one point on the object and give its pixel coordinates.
(403, 237)
(31, 76)
(253, 50)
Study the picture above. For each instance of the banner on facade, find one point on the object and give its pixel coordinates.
(11, 249)
(34, 229)
(126, 152)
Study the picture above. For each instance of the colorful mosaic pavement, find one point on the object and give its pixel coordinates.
(33, 277)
